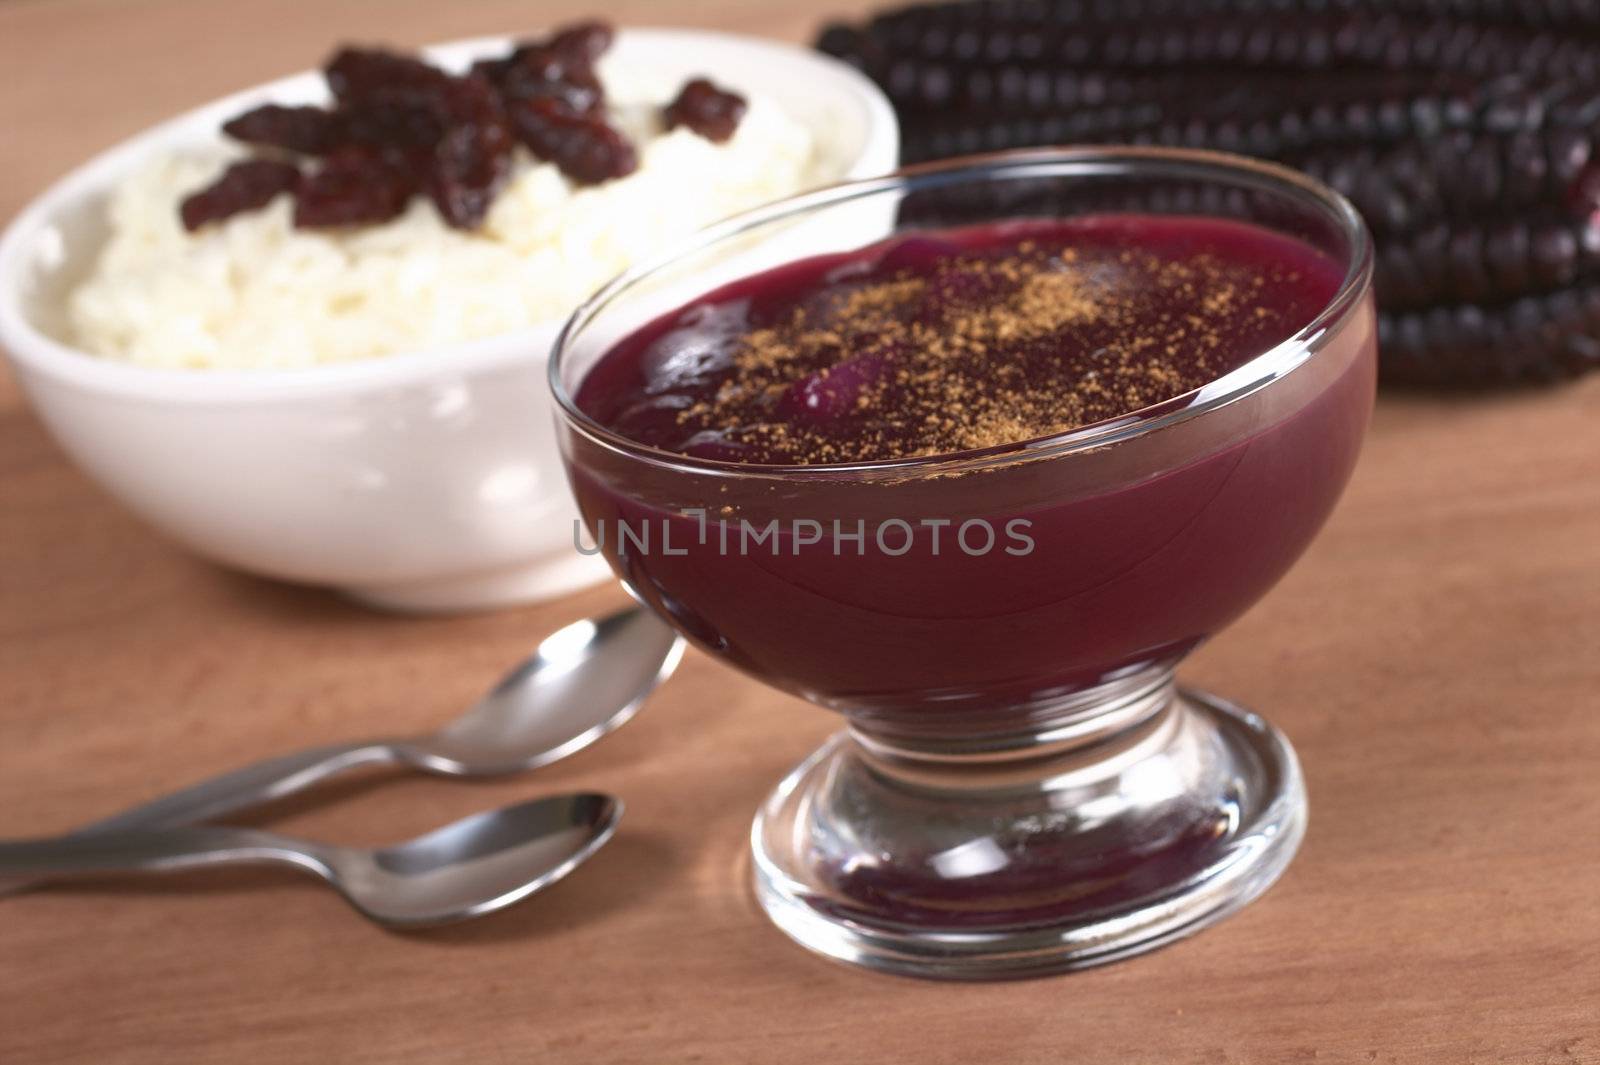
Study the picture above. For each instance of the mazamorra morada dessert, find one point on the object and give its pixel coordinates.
(907, 536)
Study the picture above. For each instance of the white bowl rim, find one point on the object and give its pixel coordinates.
(36, 351)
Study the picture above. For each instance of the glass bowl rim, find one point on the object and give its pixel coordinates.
(1244, 380)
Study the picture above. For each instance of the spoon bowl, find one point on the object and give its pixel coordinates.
(479, 864)
(581, 682)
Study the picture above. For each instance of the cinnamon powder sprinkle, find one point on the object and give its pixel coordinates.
(983, 349)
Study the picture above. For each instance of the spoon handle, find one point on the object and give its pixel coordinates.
(242, 788)
(208, 800)
(160, 850)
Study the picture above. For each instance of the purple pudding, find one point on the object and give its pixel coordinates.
(864, 477)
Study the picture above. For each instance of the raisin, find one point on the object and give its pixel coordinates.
(308, 130)
(586, 41)
(355, 186)
(711, 112)
(585, 149)
(401, 126)
(472, 159)
(544, 72)
(394, 125)
(244, 186)
(372, 75)
(561, 66)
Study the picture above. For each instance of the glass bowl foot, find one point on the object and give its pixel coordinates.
(1041, 859)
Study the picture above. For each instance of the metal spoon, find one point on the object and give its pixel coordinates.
(582, 682)
(471, 867)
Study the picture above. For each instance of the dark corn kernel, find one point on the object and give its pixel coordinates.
(1463, 130)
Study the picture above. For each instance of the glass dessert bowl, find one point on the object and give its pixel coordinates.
(1022, 787)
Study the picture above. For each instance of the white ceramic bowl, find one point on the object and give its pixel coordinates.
(427, 480)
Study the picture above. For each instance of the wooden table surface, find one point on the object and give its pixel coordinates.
(1435, 657)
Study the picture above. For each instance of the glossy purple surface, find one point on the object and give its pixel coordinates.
(1242, 290)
